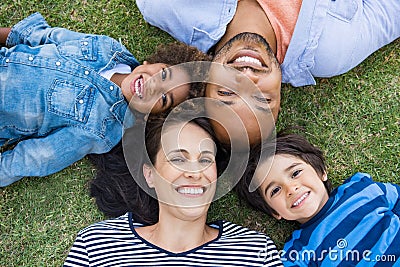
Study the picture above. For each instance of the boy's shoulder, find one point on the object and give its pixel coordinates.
(357, 177)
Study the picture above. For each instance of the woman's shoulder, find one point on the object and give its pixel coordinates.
(113, 225)
(230, 230)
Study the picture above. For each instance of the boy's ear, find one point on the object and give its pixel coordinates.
(148, 175)
(324, 177)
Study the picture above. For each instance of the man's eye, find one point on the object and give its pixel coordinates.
(275, 191)
(163, 74)
(225, 93)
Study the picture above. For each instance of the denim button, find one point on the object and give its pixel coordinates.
(81, 101)
(111, 87)
(7, 60)
(30, 58)
(85, 43)
(86, 72)
(58, 63)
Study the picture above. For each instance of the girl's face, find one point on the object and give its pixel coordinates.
(154, 88)
(292, 187)
(184, 175)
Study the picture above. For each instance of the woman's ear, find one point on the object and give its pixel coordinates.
(276, 216)
(148, 175)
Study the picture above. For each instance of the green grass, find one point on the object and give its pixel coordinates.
(354, 118)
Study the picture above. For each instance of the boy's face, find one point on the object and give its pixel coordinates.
(154, 88)
(292, 187)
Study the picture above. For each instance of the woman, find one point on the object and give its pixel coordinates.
(181, 168)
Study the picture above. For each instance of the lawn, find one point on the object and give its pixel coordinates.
(354, 118)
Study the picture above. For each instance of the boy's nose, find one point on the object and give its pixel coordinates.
(291, 189)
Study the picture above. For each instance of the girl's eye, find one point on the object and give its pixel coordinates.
(163, 74)
(296, 173)
(225, 93)
(164, 99)
(275, 191)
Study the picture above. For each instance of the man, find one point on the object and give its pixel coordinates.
(320, 38)
(308, 39)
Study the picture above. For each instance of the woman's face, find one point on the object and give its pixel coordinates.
(185, 173)
(154, 88)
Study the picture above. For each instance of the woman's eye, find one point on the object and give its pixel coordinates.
(163, 74)
(177, 160)
(275, 191)
(206, 160)
(225, 93)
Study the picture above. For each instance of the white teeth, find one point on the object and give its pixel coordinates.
(248, 59)
(138, 86)
(191, 190)
(295, 204)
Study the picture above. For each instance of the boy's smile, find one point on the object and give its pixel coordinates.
(292, 187)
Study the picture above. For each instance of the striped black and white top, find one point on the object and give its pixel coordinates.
(115, 242)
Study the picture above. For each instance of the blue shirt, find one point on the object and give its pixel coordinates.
(359, 225)
(53, 102)
(330, 37)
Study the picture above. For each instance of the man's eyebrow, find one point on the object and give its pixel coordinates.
(263, 109)
(227, 102)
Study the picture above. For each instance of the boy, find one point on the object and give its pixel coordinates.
(65, 94)
(355, 224)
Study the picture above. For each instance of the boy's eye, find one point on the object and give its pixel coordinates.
(296, 173)
(275, 191)
(163, 74)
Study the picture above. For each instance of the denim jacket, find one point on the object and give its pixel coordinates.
(54, 104)
(330, 37)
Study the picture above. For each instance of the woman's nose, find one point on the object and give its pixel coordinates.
(192, 175)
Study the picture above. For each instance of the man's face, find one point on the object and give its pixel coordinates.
(247, 84)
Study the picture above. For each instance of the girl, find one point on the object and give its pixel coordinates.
(65, 94)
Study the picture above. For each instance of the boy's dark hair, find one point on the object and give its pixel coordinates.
(284, 143)
(177, 53)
